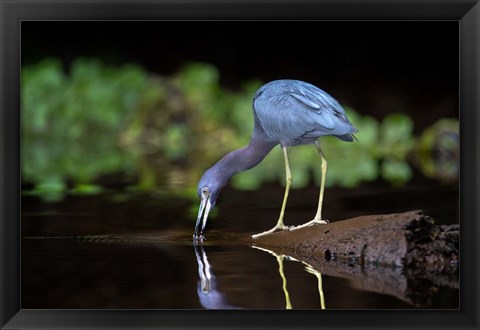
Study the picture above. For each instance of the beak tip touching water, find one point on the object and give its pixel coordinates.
(202, 217)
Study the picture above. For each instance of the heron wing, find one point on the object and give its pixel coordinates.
(297, 112)
(326, 121)
(315, 98)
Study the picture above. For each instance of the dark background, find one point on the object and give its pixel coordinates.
(375, 67)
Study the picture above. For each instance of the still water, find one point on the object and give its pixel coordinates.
(134, 250)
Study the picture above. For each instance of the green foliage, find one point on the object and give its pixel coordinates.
(71, 122)
(396, 171)
(97, 119)
(396, 142)
(437, 151)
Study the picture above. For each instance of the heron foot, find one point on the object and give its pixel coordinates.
(310, 223)
(274, 229)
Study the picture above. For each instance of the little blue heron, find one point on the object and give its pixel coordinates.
(289, 113)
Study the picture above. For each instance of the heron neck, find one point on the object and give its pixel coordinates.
(245, 158)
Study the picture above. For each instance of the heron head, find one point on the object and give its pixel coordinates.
(208, 189)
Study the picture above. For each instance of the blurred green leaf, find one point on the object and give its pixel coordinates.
(437, 153)
(396, 127)
(246, 181)
(86, 189)
(395, 171)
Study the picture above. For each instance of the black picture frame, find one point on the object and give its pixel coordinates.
(466, 12)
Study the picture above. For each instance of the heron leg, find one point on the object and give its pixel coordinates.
(280, 225)
(318, 215)
(288, 304)
(280, 259)
(318, 275)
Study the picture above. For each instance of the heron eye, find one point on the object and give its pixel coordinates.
(205, 190)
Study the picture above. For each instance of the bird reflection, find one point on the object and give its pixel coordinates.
(212, 298)
(318, 275)
(280, 258)
(208, 294)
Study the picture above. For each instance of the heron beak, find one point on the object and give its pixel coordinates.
(204, 210)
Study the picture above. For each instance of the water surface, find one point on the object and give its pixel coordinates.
(131, 250)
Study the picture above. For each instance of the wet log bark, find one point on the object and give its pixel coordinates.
(410, 240)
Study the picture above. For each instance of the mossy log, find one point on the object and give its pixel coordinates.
(410, 240)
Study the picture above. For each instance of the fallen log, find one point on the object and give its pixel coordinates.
(410, 240)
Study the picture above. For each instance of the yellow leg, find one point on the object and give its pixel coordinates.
(320, 291)
(318, 275)
(318, 215)
(280, 225)
(280, 258)
(288, 304)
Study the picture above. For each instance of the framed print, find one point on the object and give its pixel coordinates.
(161, 164)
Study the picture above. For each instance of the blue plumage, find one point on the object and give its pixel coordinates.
(294, 112)
(286, 112)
